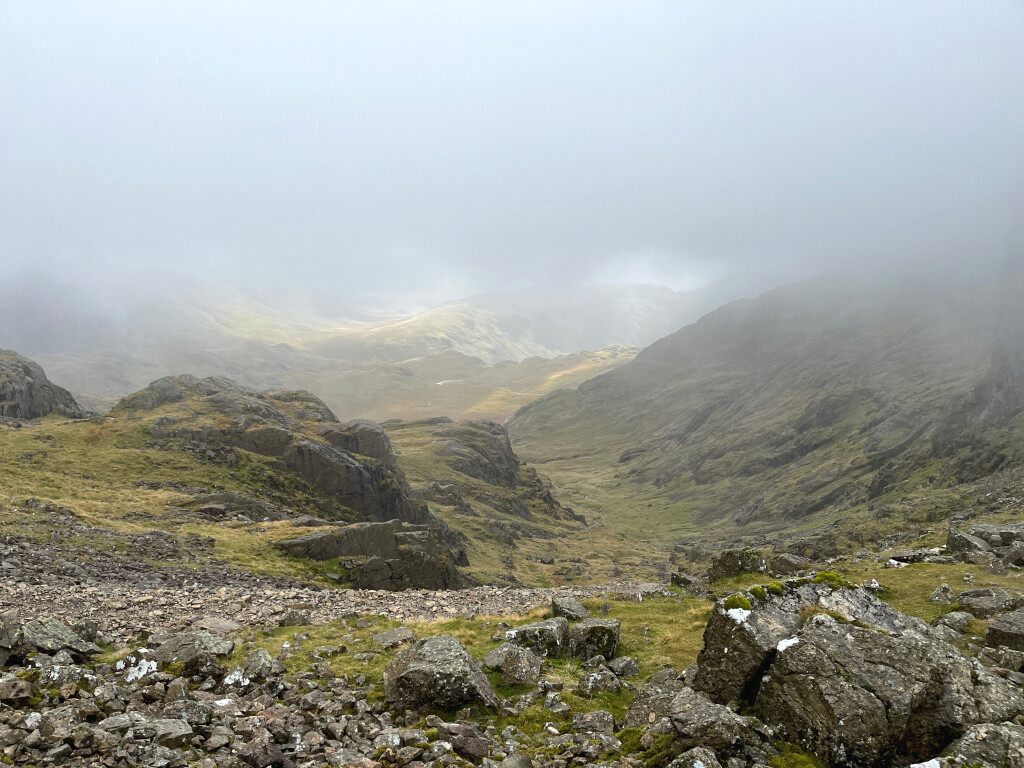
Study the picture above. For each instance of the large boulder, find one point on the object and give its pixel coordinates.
(196, 653)
(52, 636)
(733, 562)
(436, 673)
(1007, 631)
(520, 666)
(987, 744)
(985, 603)
(26, 393)
(960, 544)
(652, 701)
(548, 639)
(697, 722)
(568, 608)
(859, 697)
(594, 637)
(739, 642)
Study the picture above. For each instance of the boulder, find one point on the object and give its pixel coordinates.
(859, 697)
(261, 666)
(698, 757)
(14, 689)
(495, 658)
(196, 652)
(569, 608)
(438, 673)
(985, 603)
(51, 636)
(594, 637)
(739, 643)
(601, 680)
(1007, 630)
(987, 744)
(597, 721)
(787, 564)
(624, 666)
(959, 543)
(393, 638)
(170, 733)
(652, 701)
(942, 594)
(697, 722)
(521, 666)
(733, 562)
(548, 639)
(955, 620)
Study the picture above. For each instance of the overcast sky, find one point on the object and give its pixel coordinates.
(457, 147)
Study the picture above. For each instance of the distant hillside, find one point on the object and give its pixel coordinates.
(812, 403)
(379, 366)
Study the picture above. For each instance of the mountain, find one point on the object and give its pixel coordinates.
(382, 365)
(812, 403)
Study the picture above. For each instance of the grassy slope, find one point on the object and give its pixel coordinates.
(491, 557)
(770, 414)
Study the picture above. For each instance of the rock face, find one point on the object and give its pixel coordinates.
(480, 449)
(350, 470)
(861, 697)
(846, 676)
(395, 555)
(739, 644)
(26, 393)
(1007, 631)
(437, 673)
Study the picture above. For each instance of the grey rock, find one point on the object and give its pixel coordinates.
(988, 744)
(955, 620)
(14, 689)
(652, 701)
(698, 722)
(436, 672)
(787, 564)
(261, 666)
(601, 680)
(517, 760)
(569, 608)
(51, 636)
(548, 639)
(393, 638)
(26, 393)
(985, 603)
(738, 645)
(597, 721)
(294, 618)
(698, 757)
(171, 733)
(943, 595)
(594, 637)
(624, 666)
(197, 652)
(1007, 630)
(520, 666)
(733, 562)
(860, 697)
(959, 543)
(494, 659)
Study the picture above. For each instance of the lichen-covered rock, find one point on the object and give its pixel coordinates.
(624, 666)
(569, 608)
(438, 673)
(520, 666)
(594, 637)
(697, 722)
(548, 639)
(393, 638)
(698, 757)
(652, 701)
(739, 643)
(601, 680)
(197, 653)
(597, 721)
(987, 744)
(1007, 630)
(860, 697)
(733, 562)
(985, 603)
(51, 636)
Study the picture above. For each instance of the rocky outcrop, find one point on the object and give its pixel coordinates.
(389, 555)
(594, 637)
(743, 634)
(846, 676)
(26, 393)
(480, 449)
(437, 673)
(859, 697)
